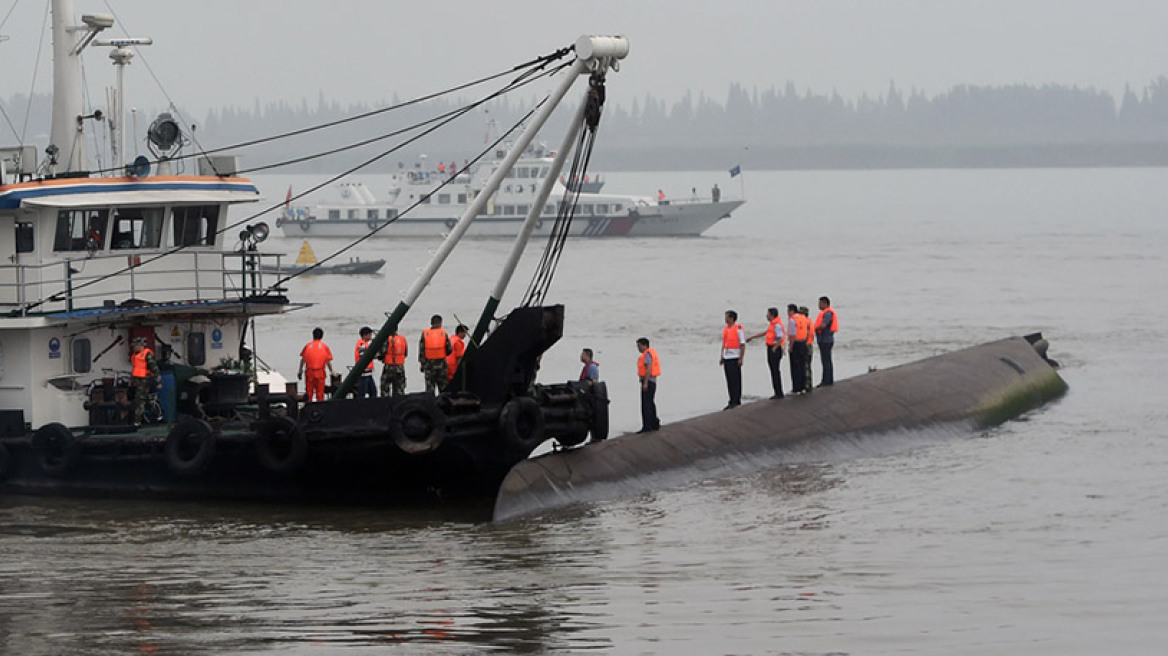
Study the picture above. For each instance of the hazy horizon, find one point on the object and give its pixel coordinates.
(366, 52)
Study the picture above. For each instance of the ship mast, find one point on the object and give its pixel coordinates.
(66, 148)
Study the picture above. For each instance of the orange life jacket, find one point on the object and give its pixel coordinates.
(834, 320)
(457, 348)
(730, 337)
(772, 334)
(656, 369)
(359, 350)
(316, 355)
(395, 350)
(435, 340)
(802, 327)
(138, 360)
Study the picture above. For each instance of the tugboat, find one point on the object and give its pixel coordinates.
(96, 262)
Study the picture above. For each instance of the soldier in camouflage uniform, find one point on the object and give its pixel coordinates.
(393, 356)
(433, 349)
(144, 375)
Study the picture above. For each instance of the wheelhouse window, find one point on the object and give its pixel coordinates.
(139, 227)
(443, 199)
(462, 199)
(334, 214)
(196, 225)
(25, 237)
(81, 230)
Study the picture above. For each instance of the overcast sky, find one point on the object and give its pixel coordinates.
(231, 52)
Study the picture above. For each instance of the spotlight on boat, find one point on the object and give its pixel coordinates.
(164, 132)
(258, 232)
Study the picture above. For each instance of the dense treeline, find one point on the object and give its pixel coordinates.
(1049, 125)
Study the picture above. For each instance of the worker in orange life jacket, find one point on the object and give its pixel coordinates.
(805, 316)
(315, 357)
(797, 330)
(457, 349)
(365, 385)
(826, 324)
(433, 349)
(393, 373)
(733, 355)
(775, 340)
(143, 375)
(648, 369)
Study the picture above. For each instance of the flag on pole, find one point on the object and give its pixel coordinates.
(735, 171)
(288, 198)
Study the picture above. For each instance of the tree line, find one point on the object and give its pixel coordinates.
(1013, 125)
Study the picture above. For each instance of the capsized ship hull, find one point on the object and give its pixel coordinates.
(972, 388)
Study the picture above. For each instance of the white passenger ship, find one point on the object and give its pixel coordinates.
(433, 207)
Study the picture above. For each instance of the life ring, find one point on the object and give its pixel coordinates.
(6, 464)
(417, 425)
(521, 423)
(371, 224)
(59, 449)
(304, 225)
(598, 427)
(190, 446)
(280, 445)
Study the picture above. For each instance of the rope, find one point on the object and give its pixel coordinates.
(545, 271)
(519, 82)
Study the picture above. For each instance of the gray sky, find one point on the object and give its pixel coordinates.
(231, 52)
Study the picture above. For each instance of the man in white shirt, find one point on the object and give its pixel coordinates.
(733, 352)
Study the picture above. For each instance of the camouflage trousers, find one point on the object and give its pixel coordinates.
(393, 380)
(143, 388)
(435, 372)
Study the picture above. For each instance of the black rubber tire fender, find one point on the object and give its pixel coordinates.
(190, 446)
(59, 450)
(417, 425)
(304, 225)
(521, 424)
(281, 445)
(598, 427)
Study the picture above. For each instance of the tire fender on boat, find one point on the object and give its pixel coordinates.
(190, 446)
(59, 450)
(417, 425)
(280, 445)
(599, 425)
(304, 225)
(6, 463)
(521, 423)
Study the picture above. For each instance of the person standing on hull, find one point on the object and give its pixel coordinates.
(457, 349)
(648, 369)
(797, 348)
(393, 373)
(365, 386)
(434, 347)
(775, 340)
(143, 375)
(315, 357)
(826, 324)
(733, 355)
(591, 370)
(805, 315)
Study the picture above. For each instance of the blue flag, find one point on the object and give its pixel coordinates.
(735, 171)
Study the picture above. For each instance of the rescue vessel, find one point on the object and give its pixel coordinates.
(95, 260)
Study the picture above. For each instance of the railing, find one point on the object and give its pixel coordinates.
(102, 280)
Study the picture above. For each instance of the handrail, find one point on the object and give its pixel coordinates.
(215, 274)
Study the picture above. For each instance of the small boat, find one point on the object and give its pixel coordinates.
(307, 264)
(437, 198)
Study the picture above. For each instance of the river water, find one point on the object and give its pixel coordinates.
(1046, 535)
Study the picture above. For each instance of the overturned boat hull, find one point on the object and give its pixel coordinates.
(973, 388)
